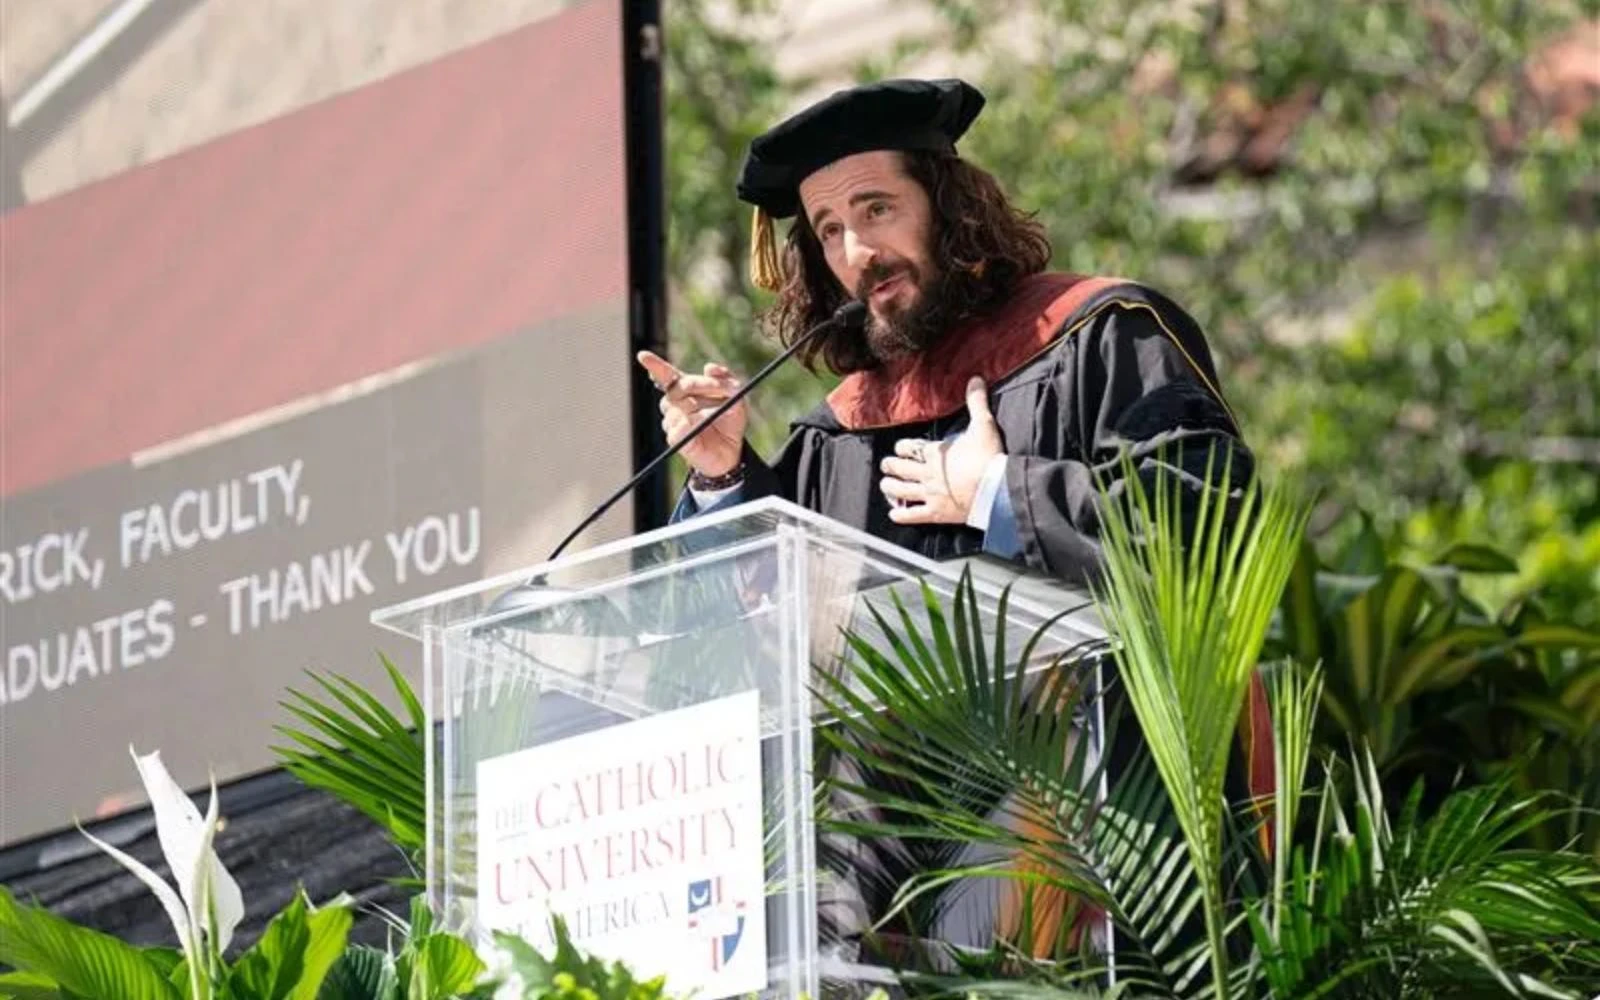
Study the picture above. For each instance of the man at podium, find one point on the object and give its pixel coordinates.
(985, 400)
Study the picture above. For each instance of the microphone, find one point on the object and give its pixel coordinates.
(850, 315)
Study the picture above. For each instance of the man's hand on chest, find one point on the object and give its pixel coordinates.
(938, 482)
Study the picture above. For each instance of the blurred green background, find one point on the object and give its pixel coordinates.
(1384, 215)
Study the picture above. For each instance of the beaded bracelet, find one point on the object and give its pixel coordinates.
(710, 484)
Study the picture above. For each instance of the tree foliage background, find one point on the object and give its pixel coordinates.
(1385, 215)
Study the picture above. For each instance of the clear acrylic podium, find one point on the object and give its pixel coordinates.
(560, 665)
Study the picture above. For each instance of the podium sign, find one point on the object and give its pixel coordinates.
(623, 738)
(644, 837)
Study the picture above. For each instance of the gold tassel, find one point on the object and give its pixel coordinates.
(765, 271)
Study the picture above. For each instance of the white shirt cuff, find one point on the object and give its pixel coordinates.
(989, 487)
(705, 498)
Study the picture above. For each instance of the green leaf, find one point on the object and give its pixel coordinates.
(178, 976)
(444, 966)
(408, 697)
(532, 968)
(1375, 626)
(1580, 692)
(89, 964)
(1465, 933)
(1476, 559)
(1558, 637)
(366, 709)
(352, 747)
(329, 928)
(272, 967)
(1443, 657)
(369, 750)
(30, 986)
(294, 954)
(1190, 588)
(1302, 619)
(571, 973)
(421, 923)
(1364, 555)
(361, 973)
(166, 960)
(1405, 597)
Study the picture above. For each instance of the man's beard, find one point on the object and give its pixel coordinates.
(903, 332)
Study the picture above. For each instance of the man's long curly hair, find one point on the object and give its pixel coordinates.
(983, 246)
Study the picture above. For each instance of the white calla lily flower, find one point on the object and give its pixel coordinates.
(186, 843)
(170, 901)
(206, 906)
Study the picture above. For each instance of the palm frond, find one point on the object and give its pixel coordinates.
(1294, 696)
(975, 771)
(956, 756)
(357, 750)
(909, 772)
(1192, 581)
(1434, 904)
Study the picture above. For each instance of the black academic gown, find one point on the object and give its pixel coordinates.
(1109, 367)
(1081, 372)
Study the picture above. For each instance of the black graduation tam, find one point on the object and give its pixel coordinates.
(890, 114)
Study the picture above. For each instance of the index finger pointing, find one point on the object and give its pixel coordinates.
(661, 371)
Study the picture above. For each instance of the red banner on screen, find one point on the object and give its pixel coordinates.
(436, 210)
